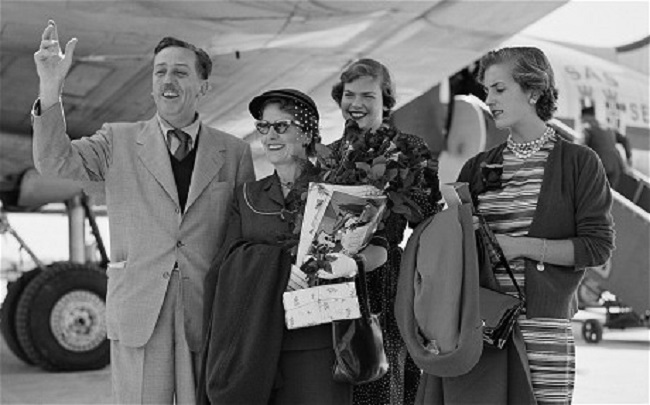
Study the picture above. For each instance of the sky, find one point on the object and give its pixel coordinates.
(595, 22)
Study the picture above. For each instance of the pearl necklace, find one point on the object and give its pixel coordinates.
(524, 150)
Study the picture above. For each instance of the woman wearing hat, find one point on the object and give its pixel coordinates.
(251, 357)
(548, 202)
(365, 93)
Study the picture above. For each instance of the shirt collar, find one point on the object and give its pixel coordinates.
(192, 130)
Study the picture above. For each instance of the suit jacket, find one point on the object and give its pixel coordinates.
(148, 231)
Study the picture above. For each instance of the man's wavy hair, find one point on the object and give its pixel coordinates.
(203, 61)
(531, 70)
(374, 69)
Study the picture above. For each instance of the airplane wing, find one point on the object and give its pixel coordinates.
(255, 46)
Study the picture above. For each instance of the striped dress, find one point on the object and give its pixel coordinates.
(549, 341)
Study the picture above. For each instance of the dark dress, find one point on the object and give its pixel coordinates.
(260, 213)
(400, 384)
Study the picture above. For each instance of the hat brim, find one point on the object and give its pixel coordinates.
(256, 104)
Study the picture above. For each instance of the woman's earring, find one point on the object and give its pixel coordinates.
(532, 101)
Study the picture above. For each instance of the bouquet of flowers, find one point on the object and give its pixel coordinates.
(360, 181)
(341, 219)
(385, 164)
(386, 160)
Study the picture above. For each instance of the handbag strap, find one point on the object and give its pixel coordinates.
(362, 288)
(483, 225)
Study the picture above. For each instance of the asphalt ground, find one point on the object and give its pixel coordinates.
(614, 371)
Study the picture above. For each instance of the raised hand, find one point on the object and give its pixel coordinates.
(52, 66)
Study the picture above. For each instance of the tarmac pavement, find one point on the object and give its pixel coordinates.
(614, 371)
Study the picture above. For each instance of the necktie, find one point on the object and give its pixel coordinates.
(184, 147)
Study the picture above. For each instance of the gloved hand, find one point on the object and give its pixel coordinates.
(297, 279)
(342, 266)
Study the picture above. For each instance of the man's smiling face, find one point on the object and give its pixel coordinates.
(177, 86)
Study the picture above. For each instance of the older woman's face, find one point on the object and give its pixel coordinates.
(508, 102)
(282, 148)
(363, 102)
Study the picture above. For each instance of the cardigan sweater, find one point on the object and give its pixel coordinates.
(183, 175)
(574, 203)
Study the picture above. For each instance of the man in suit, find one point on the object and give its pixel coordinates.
(168, 182)
(603, 141)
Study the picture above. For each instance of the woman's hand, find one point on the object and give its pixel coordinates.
(342, 266)
(510, 245)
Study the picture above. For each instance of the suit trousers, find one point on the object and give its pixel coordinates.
(163, 371)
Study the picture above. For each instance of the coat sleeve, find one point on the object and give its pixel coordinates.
(594, 240)
(233, 233)
(246, 171)
(86, 159)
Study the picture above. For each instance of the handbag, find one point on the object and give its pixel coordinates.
(499, 311)
(358, 343)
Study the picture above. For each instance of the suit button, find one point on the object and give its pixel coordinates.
(177, 210)
(180, 244)
(166, 274)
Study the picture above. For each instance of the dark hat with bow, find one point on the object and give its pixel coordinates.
(301, 99)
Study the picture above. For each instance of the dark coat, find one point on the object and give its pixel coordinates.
(245, 332)
(458, 376)
(256, 215)
(245, 368)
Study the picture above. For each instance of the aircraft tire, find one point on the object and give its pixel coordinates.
(8, 313)
(60, 318)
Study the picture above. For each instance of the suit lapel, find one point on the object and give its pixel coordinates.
(210, 156)
(154, 154)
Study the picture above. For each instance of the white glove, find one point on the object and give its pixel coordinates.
(342, 266)
(297, 279)
(352, 239)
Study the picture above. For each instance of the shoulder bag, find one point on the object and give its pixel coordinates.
(358, 343)
(499, 311)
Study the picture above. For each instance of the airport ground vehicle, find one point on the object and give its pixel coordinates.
(53, 315)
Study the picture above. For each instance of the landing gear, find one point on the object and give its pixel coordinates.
(54, 315)
(8, 313)
(60, 318)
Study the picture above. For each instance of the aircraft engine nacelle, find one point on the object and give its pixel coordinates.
(30, 190)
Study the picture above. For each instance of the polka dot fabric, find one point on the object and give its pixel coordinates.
(400, 384)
